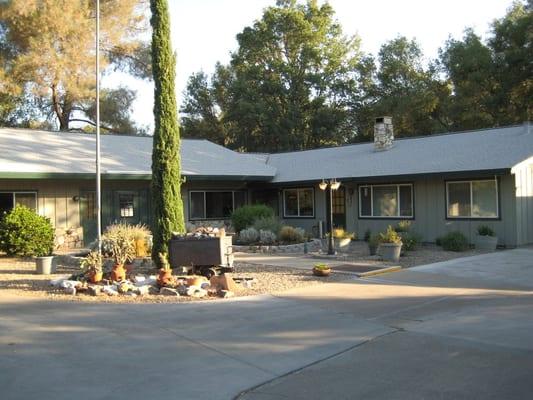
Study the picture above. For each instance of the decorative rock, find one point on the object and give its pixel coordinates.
(70, 290)
(205, 285)
(130, 294)
(94, 290)
(169, 292)
(139, 279)
(152, 289)
(226, 294)
(182, 290)
(110, 290)
(125, 287)
(249, 283)
(199, 293)
(142, 290)
(192, 289)
(69, 284)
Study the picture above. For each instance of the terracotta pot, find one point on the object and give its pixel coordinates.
(118, 273)
(129, 269)
(195, 281)
(321, 272)
(95, 277)
(165, 277)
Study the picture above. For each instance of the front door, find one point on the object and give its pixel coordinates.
(88, 216)
(339, 208)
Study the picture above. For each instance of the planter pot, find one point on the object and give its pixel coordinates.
(342, 243)
(45, 265)
(486, 242)
(390, 251)
(321, 272)
(118, 273)
(373, 248)
(95, 277)
(165, 277)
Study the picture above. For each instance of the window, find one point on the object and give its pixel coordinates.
(125, 202)
(8, 200)
(386, 201)
(214, 204)
(472, 199)
(299, 202)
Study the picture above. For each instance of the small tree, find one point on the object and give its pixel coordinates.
(166, 177)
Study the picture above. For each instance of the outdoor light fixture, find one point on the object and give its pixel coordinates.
(333, 184)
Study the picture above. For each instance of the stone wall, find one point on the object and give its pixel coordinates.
(68, 238)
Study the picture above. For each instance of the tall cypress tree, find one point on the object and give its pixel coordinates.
(166, 178)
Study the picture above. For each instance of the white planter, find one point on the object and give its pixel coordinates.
(390, 251)
(486, 242)
(342, 243)
(45, 265)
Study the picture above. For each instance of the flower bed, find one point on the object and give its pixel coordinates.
(312, 246)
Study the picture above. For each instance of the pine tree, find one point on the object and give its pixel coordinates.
(166, 179)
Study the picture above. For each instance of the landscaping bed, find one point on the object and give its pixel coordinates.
(19, 278)
(422, 255)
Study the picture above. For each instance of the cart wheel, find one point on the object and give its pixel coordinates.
(209, 272)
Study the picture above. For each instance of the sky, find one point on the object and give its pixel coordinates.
(204, 31)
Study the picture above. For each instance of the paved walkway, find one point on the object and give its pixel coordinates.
(421, 333)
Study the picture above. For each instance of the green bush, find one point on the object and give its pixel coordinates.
(390, 236)
(25, 233)
(403, 226)
(249, 235)
(290, 234)
(484, 230)
(271, 224)
(454, 241)
(245, 216)
(410, 240)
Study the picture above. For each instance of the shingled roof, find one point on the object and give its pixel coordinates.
(34, 153)
(25, 152)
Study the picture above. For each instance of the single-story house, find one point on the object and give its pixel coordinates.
(441, 183)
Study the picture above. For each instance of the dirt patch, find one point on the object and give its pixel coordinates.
(18, 277)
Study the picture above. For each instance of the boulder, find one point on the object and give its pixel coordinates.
(70, 290)
(142, 290)
(223, 282)
(169, 292)
(94, 290)
(152, 289)
(110, 290)
(226, 294)
(199, 293)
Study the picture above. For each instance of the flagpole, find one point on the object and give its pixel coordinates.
(98, 180)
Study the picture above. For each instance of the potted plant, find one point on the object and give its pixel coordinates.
(165, 272)
(390, 245)
(321, 270)
(342, 238)
(373, 243)
(122, 249)
(486, 238)
(92, 266)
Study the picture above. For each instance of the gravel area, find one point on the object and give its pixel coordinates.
(17, 277)
(424, 254)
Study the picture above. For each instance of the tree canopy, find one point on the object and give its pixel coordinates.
(296, 82)
(47, 52)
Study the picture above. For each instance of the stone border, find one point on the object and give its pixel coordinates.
(312, 246)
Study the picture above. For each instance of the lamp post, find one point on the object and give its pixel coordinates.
(331, 184)
(98, 172)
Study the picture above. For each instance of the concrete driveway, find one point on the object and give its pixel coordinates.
(429, 332)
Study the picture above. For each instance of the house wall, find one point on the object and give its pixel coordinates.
(430, 211)
(59, 201)
(524, 203)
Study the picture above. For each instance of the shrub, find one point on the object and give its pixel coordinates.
(92, 263)
(267, 237)
(368, 235)
(340, 233)
(271, 224)
(390, 236)
(454, 241)
(25, 233)
(410, 240)
(290, 234)
(118, 242)
(249, 235)
(403, 226)
(245, 216)
(484, 230)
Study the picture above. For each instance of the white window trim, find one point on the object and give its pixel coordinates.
(205, 202)
(398, 216)
(133, 208)
(15, 192)
(495, 180)
(298, 190)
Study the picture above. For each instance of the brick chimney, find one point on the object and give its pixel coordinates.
(383, 134)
